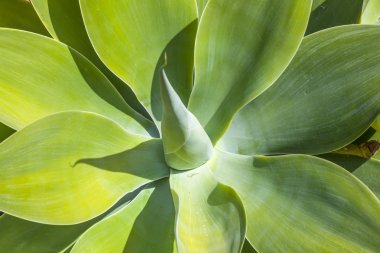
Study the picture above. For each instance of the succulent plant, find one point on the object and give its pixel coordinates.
(187, 126)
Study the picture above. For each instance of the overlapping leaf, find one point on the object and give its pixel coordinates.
(210, 215)
(136, 227)
(298, 203)
(371, 12)
(332, 13)
(364, 168)
(19, 14)
(63, 20)
(131, 36)
(20, 236)
(314, 107)
(316, 4)
(235, 49)
(70, 167)
(39, 76)
(186, 144)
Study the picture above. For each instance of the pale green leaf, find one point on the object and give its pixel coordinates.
(334, 13)
(70, 167)
(314, 107)
(19, 14)
(144, 225)
(371, 13)
(201, 4)
(63, 20)
(210, 215)
(143, 30)
(186, 143)
(299, 203)
(40, 76)
(241, 49)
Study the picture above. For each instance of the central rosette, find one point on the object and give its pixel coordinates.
(186, 144)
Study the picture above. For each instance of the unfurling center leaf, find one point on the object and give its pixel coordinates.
(186, 144)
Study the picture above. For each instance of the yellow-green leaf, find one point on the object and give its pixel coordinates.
(40, 76)
(70, 167)
(144, 225)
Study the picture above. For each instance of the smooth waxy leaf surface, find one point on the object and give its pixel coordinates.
(334, 13)
(371, 12)
(63, 20)
(70, 167)
(20, 236)
(299, 203)
(367, 170)
(40, 76)
(5, 132)
(201, 4)
(369, 173)
(210, 215)
(19, 14)
(140, 42)
(314, 107)
(186, 143)
(144, 225)
(234, 51)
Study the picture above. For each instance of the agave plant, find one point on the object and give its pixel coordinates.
(186, 126)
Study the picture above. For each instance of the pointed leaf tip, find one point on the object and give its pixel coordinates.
(186, 144)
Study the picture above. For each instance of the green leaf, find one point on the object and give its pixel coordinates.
(63, 20)
(144, 225)
(141, 41)
(19, 14)
(40, 76)
(201, 4)
(5, 132)
(178, 58)
(299, 203)
(334, 13)
(314, 107)
(367, 170)
(70, 167)
(371, 13)
(186, 143)
(234, 51)
(210, 215)
(20, 236)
